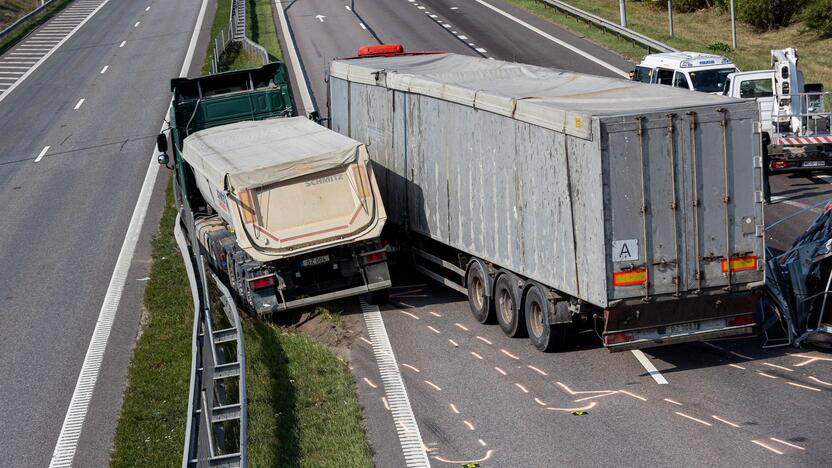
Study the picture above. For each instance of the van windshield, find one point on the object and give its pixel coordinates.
(710, 81)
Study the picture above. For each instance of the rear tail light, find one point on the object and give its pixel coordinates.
(740, 320)
(373, 257)
(261, 283)
(778, 165)
(617, 338)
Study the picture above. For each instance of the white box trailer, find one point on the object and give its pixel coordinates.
(561, 197)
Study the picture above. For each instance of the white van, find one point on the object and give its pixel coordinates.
(689, 70)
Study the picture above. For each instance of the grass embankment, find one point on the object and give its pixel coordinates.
(302, 406)
(10, 10)
(706, 30)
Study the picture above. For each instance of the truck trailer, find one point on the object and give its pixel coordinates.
(286, 210)
(558, 201)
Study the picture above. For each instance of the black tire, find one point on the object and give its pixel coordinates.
(378, 297)
(482, 307)
(507, 306)
(543, 336)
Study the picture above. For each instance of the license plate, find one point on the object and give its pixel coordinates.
(682, 328)
(315, 261)
(813, 163)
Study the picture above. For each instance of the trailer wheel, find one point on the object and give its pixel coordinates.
(479, 300)
(543, 336)
(507, 305)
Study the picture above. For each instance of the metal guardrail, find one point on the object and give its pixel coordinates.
(217, 428)
(23, 19)
(235, 31)
(625, 33)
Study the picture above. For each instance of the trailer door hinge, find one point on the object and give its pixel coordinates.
(758, 162)
(761, 230)
(758, 127)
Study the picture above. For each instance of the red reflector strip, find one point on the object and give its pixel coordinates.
(740, 320)
(374, 258)
(629, 278)
(778, 165)
(740, 264)
(617, 338)
(260, 283)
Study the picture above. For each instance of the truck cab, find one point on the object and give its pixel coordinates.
(688, 70)
(757, 85)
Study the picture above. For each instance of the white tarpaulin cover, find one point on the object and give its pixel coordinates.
(253, 154)
(556, 99)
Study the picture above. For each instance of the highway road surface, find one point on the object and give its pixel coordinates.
(479, 396)
(81, 100)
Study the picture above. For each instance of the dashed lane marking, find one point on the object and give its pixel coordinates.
(80, 103)
(435, 314)
(540, 402)
(673, 402)
(537, 370)
(122, 44)
(521, 387)
(484, 340)
(737, 366)
(705, 423)
(583, 408)
(410, 367)
(435, 387)
(482, 442)
(725, 421)
(766, 375)
(461, 326)
(500, 371)
(42, 153)
(507, 353)
(453, 408)
(777, 367)
(104, 70)
(601, 395)
(787, 443)
(137, 24)
(468, 425)
(409, 314)
(633, 395)
(365, 340)
(741, 356)
(386, 405)
(370, 382)
(809, 359)
(814, 389)
(454, 343)
(476, 355)
(767, 447)
(433, 329)
(815, 379)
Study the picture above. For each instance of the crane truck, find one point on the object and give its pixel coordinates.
(286, 210)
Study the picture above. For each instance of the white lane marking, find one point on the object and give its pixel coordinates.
(11, 73)
(411, 367)
(362, 26)
(365, 340)
(521, 387)
(67, 444)
(706, 423)
(435, 314)
(776, 366)
(815, 379)
(461, 326)
(476, 355)
(575, 392)
(42, 153)
(300, 79)
(536, 369)
(725, 421)
(410, 439)
(633, 395)
(737, 366)
(554, 39)
(436, 387)
(122, 44)
(508, 354)
(348, 7)
(386, 405)
(540, 402)
(651, 369)
(453, 408)
(4, 67)
(481, 50)
(409, 314)
(767, 447)
(482, 442)
(468, 424)
(787, 443)
(464, 38)
(456, 345)
(370, 383)
(814, 389)
(104, 70)
(137, 24)
(80, 103)
(484, 340)
(766, 375)
(673, 402)
(583, 408)
(809, 359)
(433, 329)
(147, 9)
(500, 371)
(595, 396)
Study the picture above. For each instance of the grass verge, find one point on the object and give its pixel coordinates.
(261, 27)
(705, 31)
(220, 21)
(29, 25)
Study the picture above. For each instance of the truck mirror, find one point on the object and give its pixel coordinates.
(163, 159)
(162, 142)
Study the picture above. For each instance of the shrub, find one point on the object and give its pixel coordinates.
(818, 18)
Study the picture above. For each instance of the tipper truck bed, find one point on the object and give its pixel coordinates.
(555, 198)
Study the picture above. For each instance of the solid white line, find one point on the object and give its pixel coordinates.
(651, 369)
(554, 39)
(67, 443)
(104, 70)
(407, 429)
(78, 106)
(54, 49)
(42, 153)
(300, 78)
(706, 423)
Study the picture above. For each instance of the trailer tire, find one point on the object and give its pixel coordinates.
(482, 307)
(543, 336)
(507, 305)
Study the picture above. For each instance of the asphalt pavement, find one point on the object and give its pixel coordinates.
(96, 101)
(479, 396)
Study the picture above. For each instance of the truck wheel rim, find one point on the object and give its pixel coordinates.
(506, 306)
(536, 317)
(477, 292)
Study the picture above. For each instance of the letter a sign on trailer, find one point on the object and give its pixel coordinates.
(625, 250)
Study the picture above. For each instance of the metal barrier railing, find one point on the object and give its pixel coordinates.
(23, 19)
(814, 119)
(217, 427)
(235, 31)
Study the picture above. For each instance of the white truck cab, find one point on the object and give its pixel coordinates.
(757, 85)
(689, 70)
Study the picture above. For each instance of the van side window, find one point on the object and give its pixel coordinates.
(756, 88)
(680, 81)
(664, 76)
(643, 74)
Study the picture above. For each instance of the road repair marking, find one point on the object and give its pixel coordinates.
(436, 387)
(64, 452)
(42, 153)
(725, 421)
(767, 447)
(468, 424)
(370, 383)
(410, 438)
(453, 408)
(521, 387)
(411, 367)
(500, 371)
(651, 369)
(815, 379)
(80, 103)
(557, 41)
(706, 423)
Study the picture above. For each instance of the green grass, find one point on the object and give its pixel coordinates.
(151, 428)
(237, 58)
(330, 312)
(261, 27)
(696, 31)
(220, 21)
(18, 9)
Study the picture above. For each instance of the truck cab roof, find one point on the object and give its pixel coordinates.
(677, 60)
